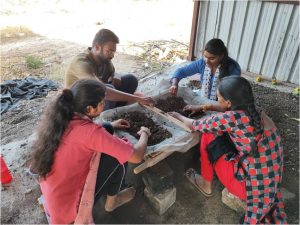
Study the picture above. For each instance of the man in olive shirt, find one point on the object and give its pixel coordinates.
(95, 63)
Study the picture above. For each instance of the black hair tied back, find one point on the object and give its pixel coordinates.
(67, 95)
(57, 118)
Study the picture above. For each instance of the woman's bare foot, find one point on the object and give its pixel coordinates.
(124, 196)
(205, 187)
(203, 184)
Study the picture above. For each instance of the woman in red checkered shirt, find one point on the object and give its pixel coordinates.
(253, 172)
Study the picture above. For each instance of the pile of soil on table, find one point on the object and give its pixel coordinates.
(175, 104)
(138, 119)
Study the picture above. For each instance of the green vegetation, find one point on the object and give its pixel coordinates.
(33, 62)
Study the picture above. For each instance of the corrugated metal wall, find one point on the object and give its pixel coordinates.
(262, 36)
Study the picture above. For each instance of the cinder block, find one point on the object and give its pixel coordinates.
(238, 205)
(233, 202)
(159, 178)
(161, 202)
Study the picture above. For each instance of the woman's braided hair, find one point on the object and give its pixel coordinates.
(255, 118)
(57, 117)
(238, 91)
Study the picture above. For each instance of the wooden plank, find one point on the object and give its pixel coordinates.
(151, 162)
(167, 116)
(152, 155)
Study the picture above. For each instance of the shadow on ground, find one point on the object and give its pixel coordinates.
(190, 206)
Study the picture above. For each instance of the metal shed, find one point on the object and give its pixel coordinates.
(263, 36)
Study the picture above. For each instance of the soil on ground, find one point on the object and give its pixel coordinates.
(138, 119)
(283, 108)
(19, 199)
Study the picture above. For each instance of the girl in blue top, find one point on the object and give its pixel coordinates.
(215, 65)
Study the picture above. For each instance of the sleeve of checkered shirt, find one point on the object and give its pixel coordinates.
(215, 123)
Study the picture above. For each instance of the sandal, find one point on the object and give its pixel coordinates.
(191, 176)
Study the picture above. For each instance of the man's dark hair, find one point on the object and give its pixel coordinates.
(103, 36)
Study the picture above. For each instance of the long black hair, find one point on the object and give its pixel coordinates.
(238, 91)
(216, 46)
(57, 117)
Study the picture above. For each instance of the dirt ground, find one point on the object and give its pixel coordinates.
(19, 199)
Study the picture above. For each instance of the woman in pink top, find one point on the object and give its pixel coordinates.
(68, 144)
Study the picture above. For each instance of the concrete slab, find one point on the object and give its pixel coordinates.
(161, 202)
(233, 202)
(159, 178)
(239, 206)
